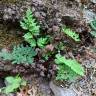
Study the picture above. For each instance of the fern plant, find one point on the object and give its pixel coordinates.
(93, 26)
(71, 33)
(20, 55)
(33, 30)
(30, 25)
(41, 42)
(68, 69)
(12, 84)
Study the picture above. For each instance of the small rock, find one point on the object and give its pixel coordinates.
(89, 63)
(56, 28)
(42, 74)
(88, 15)
(39, 2)
(58, 91)
(93, 1)
(33, 9)
(43, 14)
(8, 67)
(78, 1)
(45, 88)
(37, 14)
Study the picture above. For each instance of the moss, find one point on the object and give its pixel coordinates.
(7, 39)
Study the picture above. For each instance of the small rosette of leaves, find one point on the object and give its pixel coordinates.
(71, 33)
(68, 68)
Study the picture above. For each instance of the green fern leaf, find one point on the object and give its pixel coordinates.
(72, 63)
(20, 55)
(23, 25)
(29, 23)
(71, 34)
(71, 67)
(32, 42)
(65, 73)
(41, 42)
(28, 36)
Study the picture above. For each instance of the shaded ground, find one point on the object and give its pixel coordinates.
(8, 37)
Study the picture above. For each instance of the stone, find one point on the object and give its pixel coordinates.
(59, 91)
(93, 1)
(43, 14)
(89, 63)
(88, 15)
(56, 28)
(37, 14)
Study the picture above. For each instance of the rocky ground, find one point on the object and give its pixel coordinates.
(51, 14)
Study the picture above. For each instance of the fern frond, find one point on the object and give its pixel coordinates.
(71, 33)
(65, 73)
(20, 55)
(29, 23)
(41, 42)
(72, 64)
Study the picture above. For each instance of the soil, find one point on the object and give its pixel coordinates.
(51, 15)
